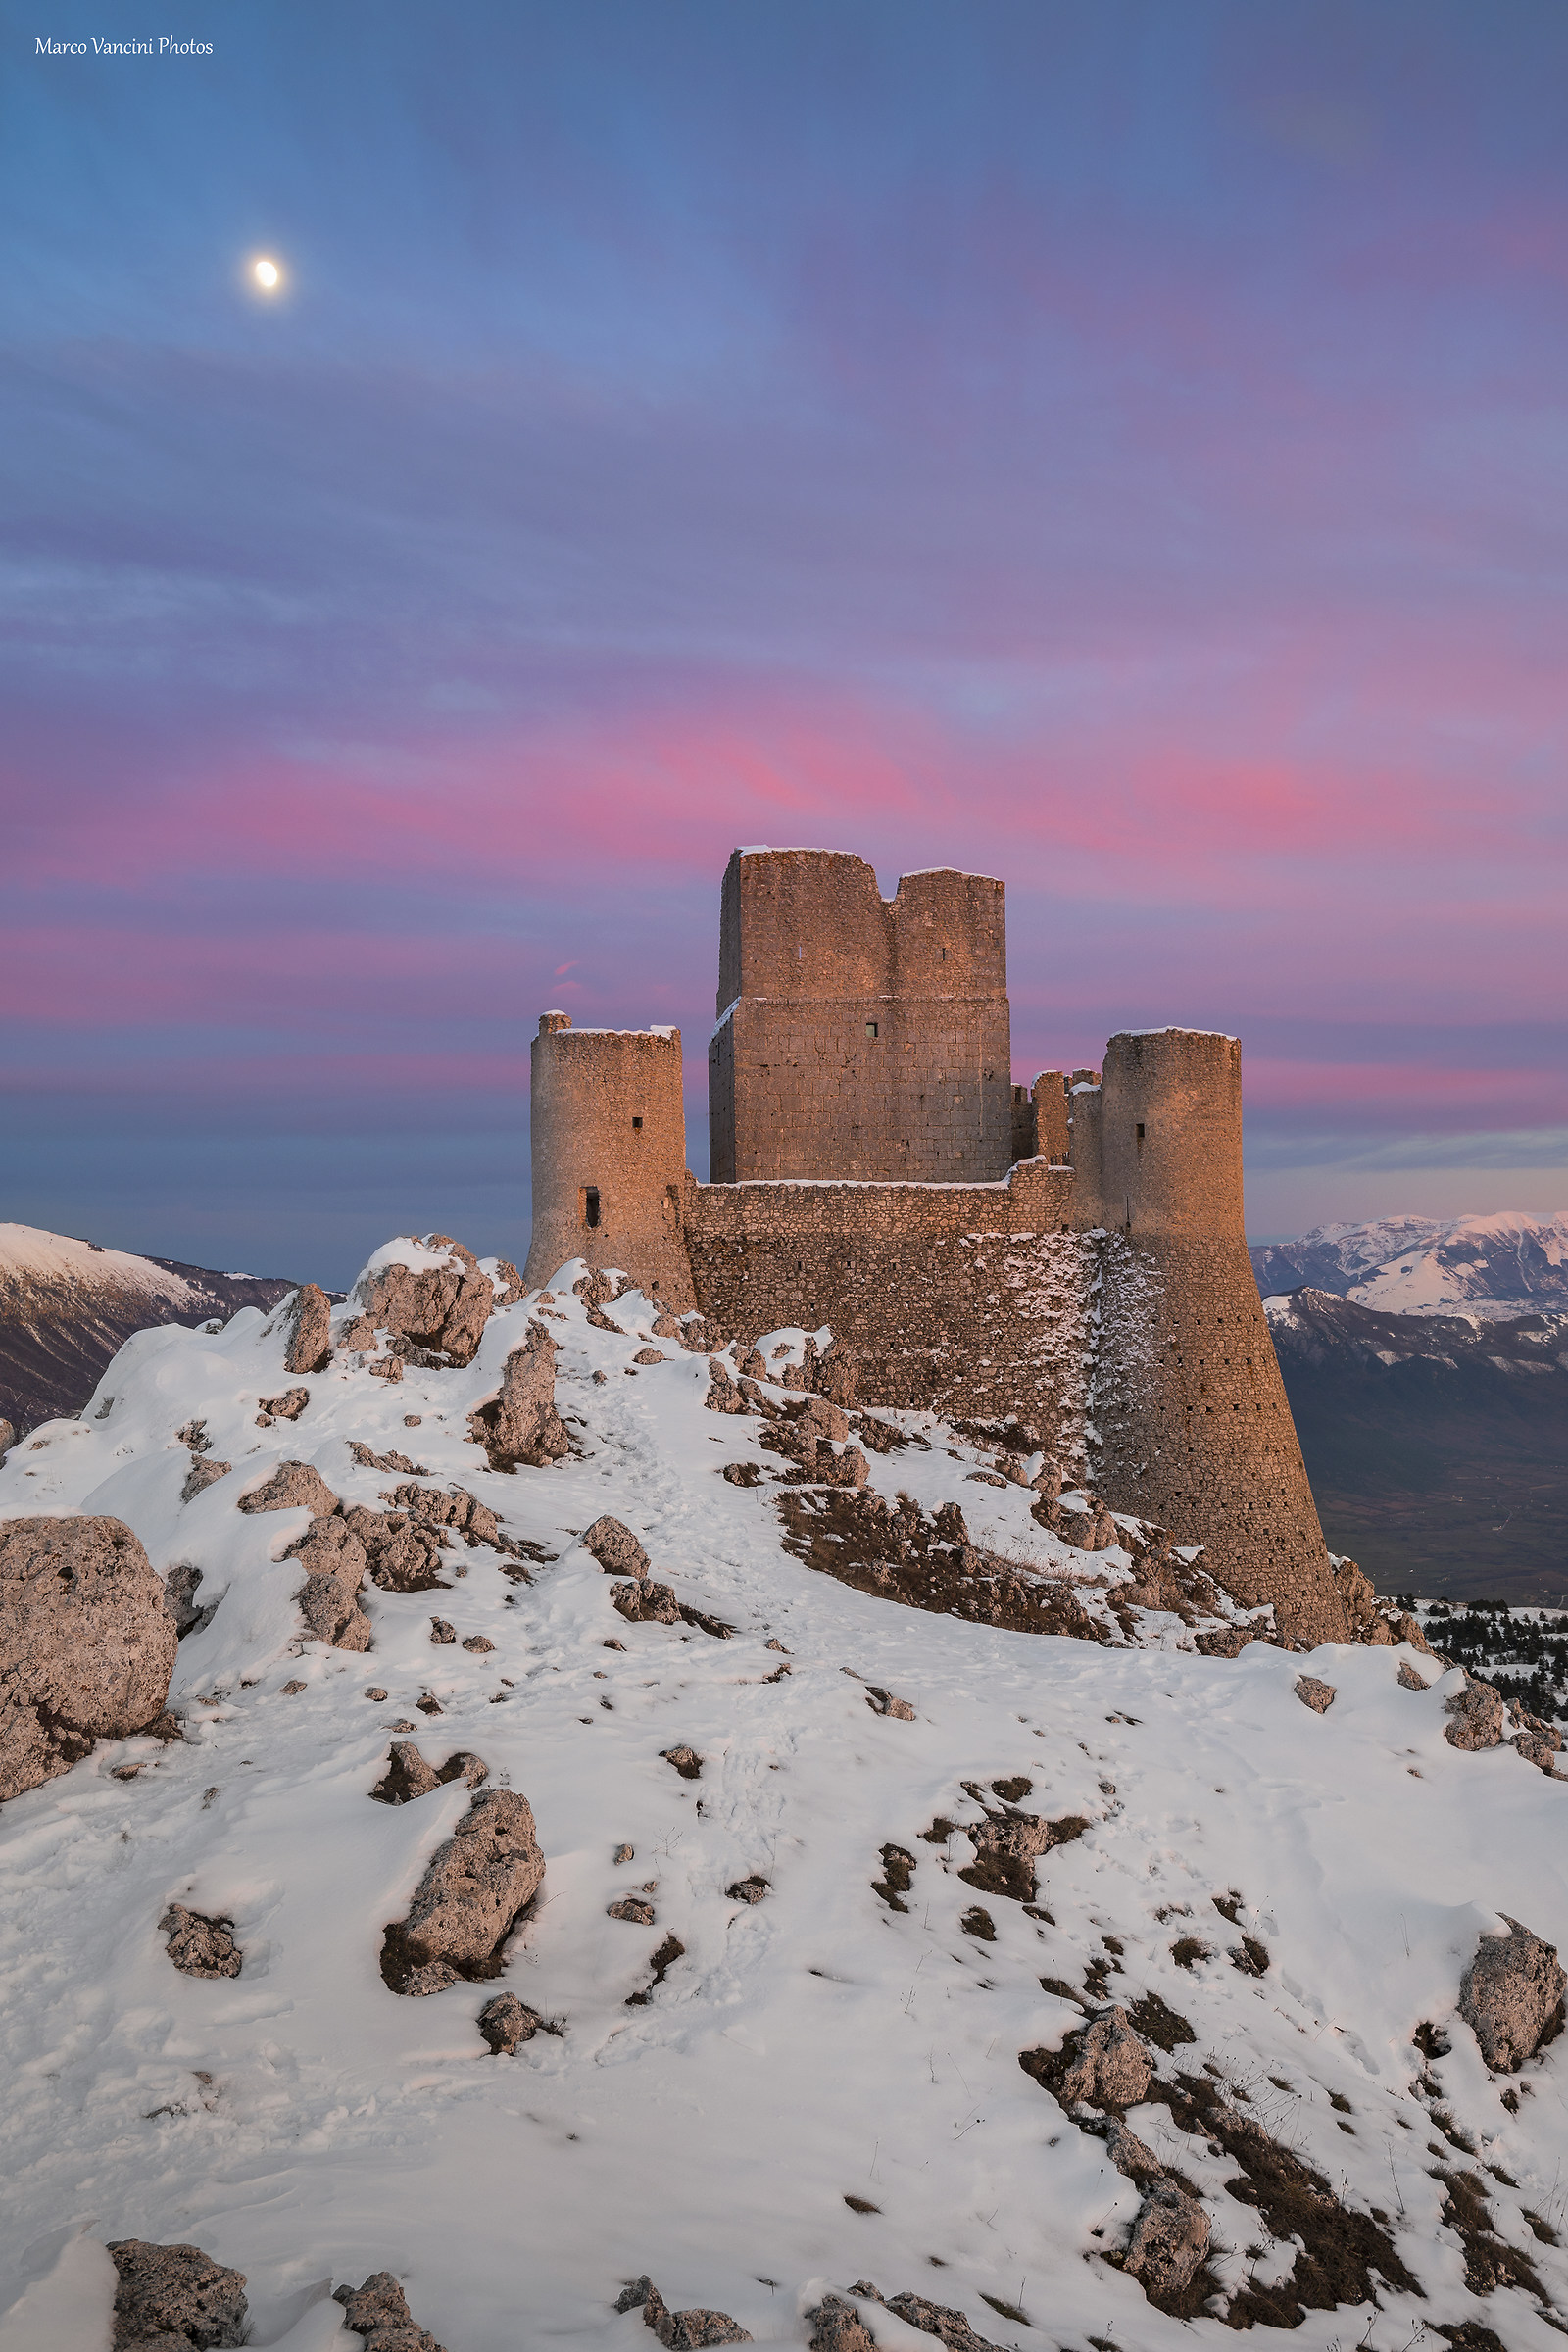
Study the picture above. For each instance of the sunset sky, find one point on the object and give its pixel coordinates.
(1118, 448)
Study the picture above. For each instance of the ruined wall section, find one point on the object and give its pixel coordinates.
(965, 1300)
(860, 1036)
(1191, 1422)
(609, 1149)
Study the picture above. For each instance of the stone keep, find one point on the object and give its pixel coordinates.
(1072, 1254)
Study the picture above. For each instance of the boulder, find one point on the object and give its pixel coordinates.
(521, 1424)
(1512, 1996)
(941, 2319)
(1319, 1696)
(1107, 2065)
(634, 1909)
(1475, 1715)
(616, 1549)
(179, 1596)
(507, 2023)
(174, 2300)
(837, 2326)
(293, 1486)
(408, 1775)
(680, 2330)
(469, 1898)
(378, 2312)
(1169, 2240)
(723, 1397)
(403, 1555)
(307, 1331)
(200, 1946)
(334, 1563)
(441, 1309)
(86, 1643)
(642, 1601)
(287, 1407)
(201, 1475)
(1539, 1743)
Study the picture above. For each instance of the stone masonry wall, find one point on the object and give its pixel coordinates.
(860, 1036)
(968, 1299)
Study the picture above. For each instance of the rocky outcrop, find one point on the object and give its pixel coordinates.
(1367, 1619)
(200, 1946)
(1511, 1996)
(308, 1330)
(1475, 1715)
(521, 1424)
(174, 2300)
(1319, 1696)
(680, 2330)
(1169, 2240)
(507, 2024)
(643, 1601)
(616, 1549)
(440, 1310)
(287, 1407)
(293, 1486)
(333, 1559)
(86, 1643)
(837, 2326)
(1006, 1848)
(407, 1776)
(1539, 1743)
(378, 2311)
(469, 1899)
(1106, 2065)
(941, 2319)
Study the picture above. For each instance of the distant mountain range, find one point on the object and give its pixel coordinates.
(1427, 1367)
(68, 1306)
(1509, 1265)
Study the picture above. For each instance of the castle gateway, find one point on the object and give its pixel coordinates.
(1071, 1256)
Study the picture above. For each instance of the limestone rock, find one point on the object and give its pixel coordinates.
(633, 1909)
(441, 1309)
(201, 1475)
(507, 2024)
(1510, 1994)
(179, 1596)
(510, 1282)
(403, 1555)
(469, 1898)
(642, 1601)
(687, 1762)
(1107, 2065)
(1319, 1696)
(521, 1424)
(1169, 2240)
(1409, 1678)
(752, 1888)
(287, 1407)
(1539, 1743)
(941, 2319)
(308, 1330)
(723, 1397)
(837, 2326)
(86, 1643)
(883, 1703)
(378, 2312)
(616, 1549)
(8, 1437)
(1475, 1715)
(408, 1775)
(174, 2300)
(333, 1559)
(681, 2331)
(200, 1946)
(292, 1486)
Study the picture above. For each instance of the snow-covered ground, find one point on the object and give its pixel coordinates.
(305, 2123)
(28, 1255)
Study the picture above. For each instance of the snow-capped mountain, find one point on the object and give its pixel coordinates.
(1511, 1263)
(67, 1306)
(860, 1815)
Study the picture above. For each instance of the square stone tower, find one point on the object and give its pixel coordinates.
(859, 1036)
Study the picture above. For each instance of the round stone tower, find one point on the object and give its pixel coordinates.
(609, 1149)
(1191, 1414)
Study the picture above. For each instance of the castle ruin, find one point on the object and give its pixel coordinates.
(1071, 1256)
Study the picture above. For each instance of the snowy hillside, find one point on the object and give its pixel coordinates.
(866, 1857)
(65, 1305)
(1509, 1264)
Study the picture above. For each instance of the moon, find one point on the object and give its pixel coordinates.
(266, 274)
